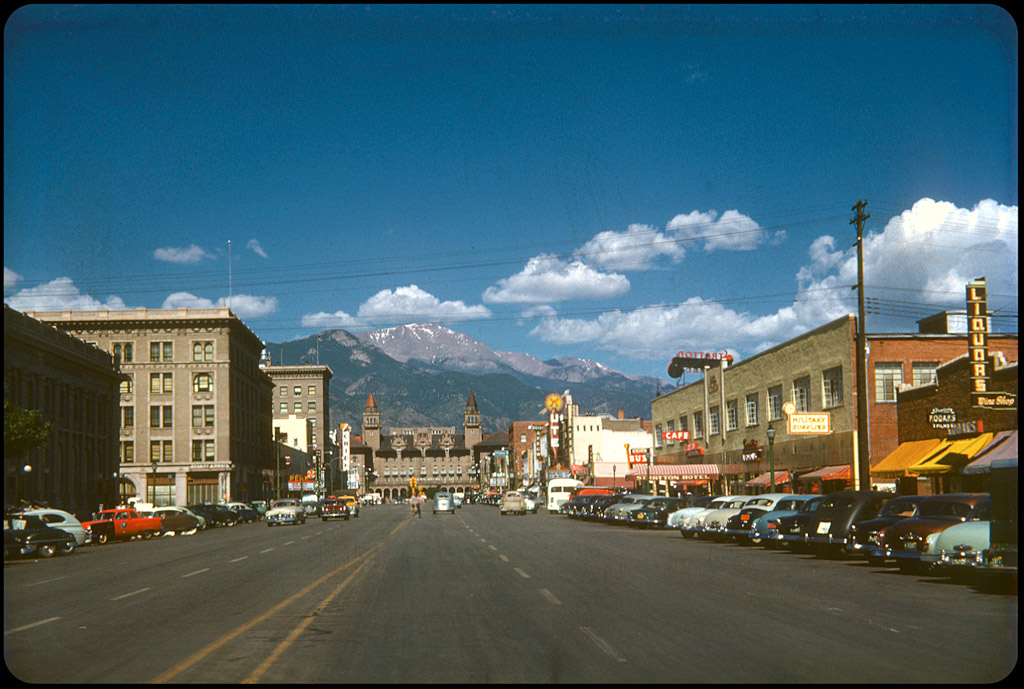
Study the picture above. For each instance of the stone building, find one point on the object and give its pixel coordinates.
(74, 386)
(195, 407)
(726, 413)
(302, 419)
(437, 458)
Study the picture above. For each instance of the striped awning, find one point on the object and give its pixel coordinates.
(1004, 446)
(680, 471)
(781, 476)
(832, 473)
(951, 456)
(908, 454)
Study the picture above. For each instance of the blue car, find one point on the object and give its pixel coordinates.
(787, 507)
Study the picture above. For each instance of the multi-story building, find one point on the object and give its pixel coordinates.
(195, 407)
(302, 419)
(727, 412)
(603, 445)
(436, 457)
(74, 387)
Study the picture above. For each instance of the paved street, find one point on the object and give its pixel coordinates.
(477, 597)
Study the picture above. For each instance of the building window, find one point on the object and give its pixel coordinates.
(202, 382)
(888, 379)
(161, 351)
(298, 407)
(775, 403)
(161, 451)
(682, 422)
(311, 390)
(713, 421)
(127, 386)
(124, 352)
(802, 394)
(297, 390)
(203, 450)
(832, 387)
(128, 452)
(698, 424)
(161, 416)
(732, 415)
(657, 436)
(670, 426)
(924, 372)
(282, 391)
(284, 407)
(202, 416)
(311, 406)
(202, 351)
(127, 417)
(752, 409)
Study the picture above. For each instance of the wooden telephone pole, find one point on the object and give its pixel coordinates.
(863, 447)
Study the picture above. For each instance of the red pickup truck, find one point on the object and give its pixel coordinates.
(122, 523)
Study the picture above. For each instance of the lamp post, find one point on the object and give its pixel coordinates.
(771, 457)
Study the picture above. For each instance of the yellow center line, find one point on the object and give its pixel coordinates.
(196, 657)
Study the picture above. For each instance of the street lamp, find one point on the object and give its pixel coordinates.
(771, 456)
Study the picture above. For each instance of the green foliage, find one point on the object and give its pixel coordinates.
(23, 430)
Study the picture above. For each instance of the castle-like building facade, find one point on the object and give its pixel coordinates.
(431, 458)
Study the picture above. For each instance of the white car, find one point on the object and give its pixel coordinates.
(694, 522)
(714, 522)
(443, 502)
(617, 512)
(65, 521)
(286, 511)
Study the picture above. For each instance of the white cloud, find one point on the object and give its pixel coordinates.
(243, 305)
(929, 251)
(733, 231)
(338, 319)
(635, 249)
(10, 278)
(190, 254)
(548, 279)
(58, 295)
(411, 304)
(254, 246)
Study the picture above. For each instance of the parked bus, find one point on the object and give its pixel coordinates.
(559, 490)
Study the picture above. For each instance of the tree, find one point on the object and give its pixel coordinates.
(23, 430)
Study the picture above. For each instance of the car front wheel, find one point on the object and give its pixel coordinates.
(46, 550)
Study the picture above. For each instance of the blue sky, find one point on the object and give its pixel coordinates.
(612, 182)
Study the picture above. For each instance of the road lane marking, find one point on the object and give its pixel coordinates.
(605, 647)
(266, 551)
(492, 547)
(550, 596)
(133, 593)
(504, 558)
(198, 656)
(521, 573)
(287, 542)
(192, 574)
(239, 559)
(44, 581)
(30, 626)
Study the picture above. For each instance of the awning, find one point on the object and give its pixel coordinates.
(781, 476)
(684, 471)
(1003, 446)
(905, 456)
(833, 473)
(951, 456)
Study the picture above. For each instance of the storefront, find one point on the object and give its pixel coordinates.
(675, 479)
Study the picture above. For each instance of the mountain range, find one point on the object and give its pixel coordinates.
(421, 375)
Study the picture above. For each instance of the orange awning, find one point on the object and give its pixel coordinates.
(950, 457)
(908, 454)
(781, 476)
(832, 473)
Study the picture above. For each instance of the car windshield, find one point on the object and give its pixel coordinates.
(812, 505)
(898, 508)
(982, 512)
(788, 504)
(944, 509)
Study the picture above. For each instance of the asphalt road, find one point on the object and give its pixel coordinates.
(477, 597)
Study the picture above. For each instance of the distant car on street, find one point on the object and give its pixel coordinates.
(443, 502)
(513, 503)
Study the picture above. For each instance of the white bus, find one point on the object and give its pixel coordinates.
(558, 492)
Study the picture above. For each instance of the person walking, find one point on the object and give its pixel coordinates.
(416, 501)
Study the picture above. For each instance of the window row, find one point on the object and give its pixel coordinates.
(162, 451)
(163, 383)
(296, 390)
(889, 377)
(163, 352)
(297, 407)
(162, 416)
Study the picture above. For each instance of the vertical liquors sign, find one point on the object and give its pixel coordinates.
(977, 335)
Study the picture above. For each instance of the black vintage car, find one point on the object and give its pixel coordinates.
(739, 525)
(863, 532)
(28, 534)
(655, 513)
(216, 515)
(792, 530)
(829, 531)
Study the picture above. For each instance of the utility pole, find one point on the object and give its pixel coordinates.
(863, 459)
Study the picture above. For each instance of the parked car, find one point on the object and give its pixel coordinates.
(215, 515)
(176, 522)
(713, 523)
(760, 505)
(862, 533)
(694, 522)
(957, 551)
(29, 534)
(760, 531)
(675, 520)
(595, 508)
(513, 503)
(285, 511)
(906, 540)
(829, 530)
(184, 510)
(121, 523)
(245, 512)
(260, 506)
(792, 531)
(59, 519)
(655, 513)
(616, 513)
(458, 498)
(443, 502)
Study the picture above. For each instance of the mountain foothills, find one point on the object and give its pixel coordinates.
(422, 374)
